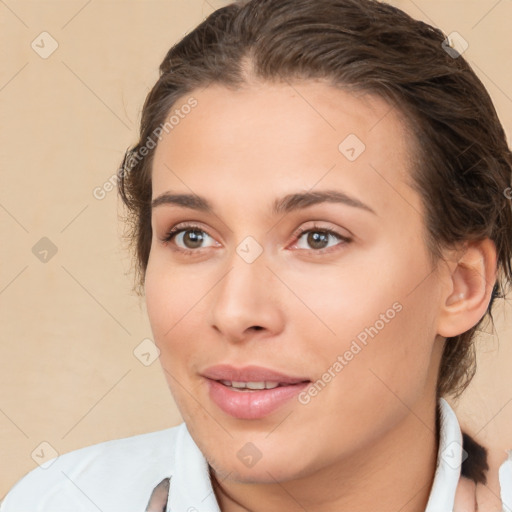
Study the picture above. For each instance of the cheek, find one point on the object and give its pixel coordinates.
(385, 362)
(167, 314)
(177, 305)
(172, 298)
(337, 304)
(160, 298)
(395, 360)
(376, 317)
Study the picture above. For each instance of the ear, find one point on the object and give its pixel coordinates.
(469, 282)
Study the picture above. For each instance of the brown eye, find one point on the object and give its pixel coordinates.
(317, 239)
(188, 238)
(192, 238)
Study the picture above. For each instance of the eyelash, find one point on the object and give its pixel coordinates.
(297, 235)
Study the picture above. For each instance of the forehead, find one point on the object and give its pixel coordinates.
(267, 139)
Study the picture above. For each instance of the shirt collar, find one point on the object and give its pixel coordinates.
(191, 488)
(190, 485)
(449, 460)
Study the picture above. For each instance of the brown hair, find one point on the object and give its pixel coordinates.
(462, 161)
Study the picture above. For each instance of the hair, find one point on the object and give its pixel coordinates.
(475, 465)
(462, 162)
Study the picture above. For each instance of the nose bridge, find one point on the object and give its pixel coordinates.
(244, 282)
(246, 296)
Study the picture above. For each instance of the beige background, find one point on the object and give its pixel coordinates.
(69, 326)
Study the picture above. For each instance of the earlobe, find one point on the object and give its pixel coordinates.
(470, 283)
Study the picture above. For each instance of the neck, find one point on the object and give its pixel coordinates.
(394, 473)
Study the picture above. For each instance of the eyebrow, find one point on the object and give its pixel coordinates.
(282, 205)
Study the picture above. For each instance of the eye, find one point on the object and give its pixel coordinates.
(188, 238)
(318, 238)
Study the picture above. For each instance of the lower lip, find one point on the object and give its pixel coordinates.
(252, 405)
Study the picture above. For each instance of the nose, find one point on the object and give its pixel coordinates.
(248, 301)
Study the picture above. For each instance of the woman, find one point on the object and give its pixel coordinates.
(320, 211)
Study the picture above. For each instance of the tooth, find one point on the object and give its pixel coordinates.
(250, 385)
(256, 385)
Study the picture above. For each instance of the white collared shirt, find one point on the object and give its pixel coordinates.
(119, 475)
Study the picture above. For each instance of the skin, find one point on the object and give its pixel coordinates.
(374, 423)
(158, 499)
(465, 497)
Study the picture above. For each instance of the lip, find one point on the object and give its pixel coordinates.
(251, 405)
(250, 374)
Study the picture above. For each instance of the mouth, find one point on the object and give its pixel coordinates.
(254, 386)
(251, 392)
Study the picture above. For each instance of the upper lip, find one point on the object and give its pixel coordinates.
(249, 374)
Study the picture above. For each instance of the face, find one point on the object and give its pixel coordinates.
(329, 297)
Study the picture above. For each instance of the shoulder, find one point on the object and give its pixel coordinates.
(112, 475)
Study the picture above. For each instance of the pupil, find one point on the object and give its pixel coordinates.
(317, 240)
